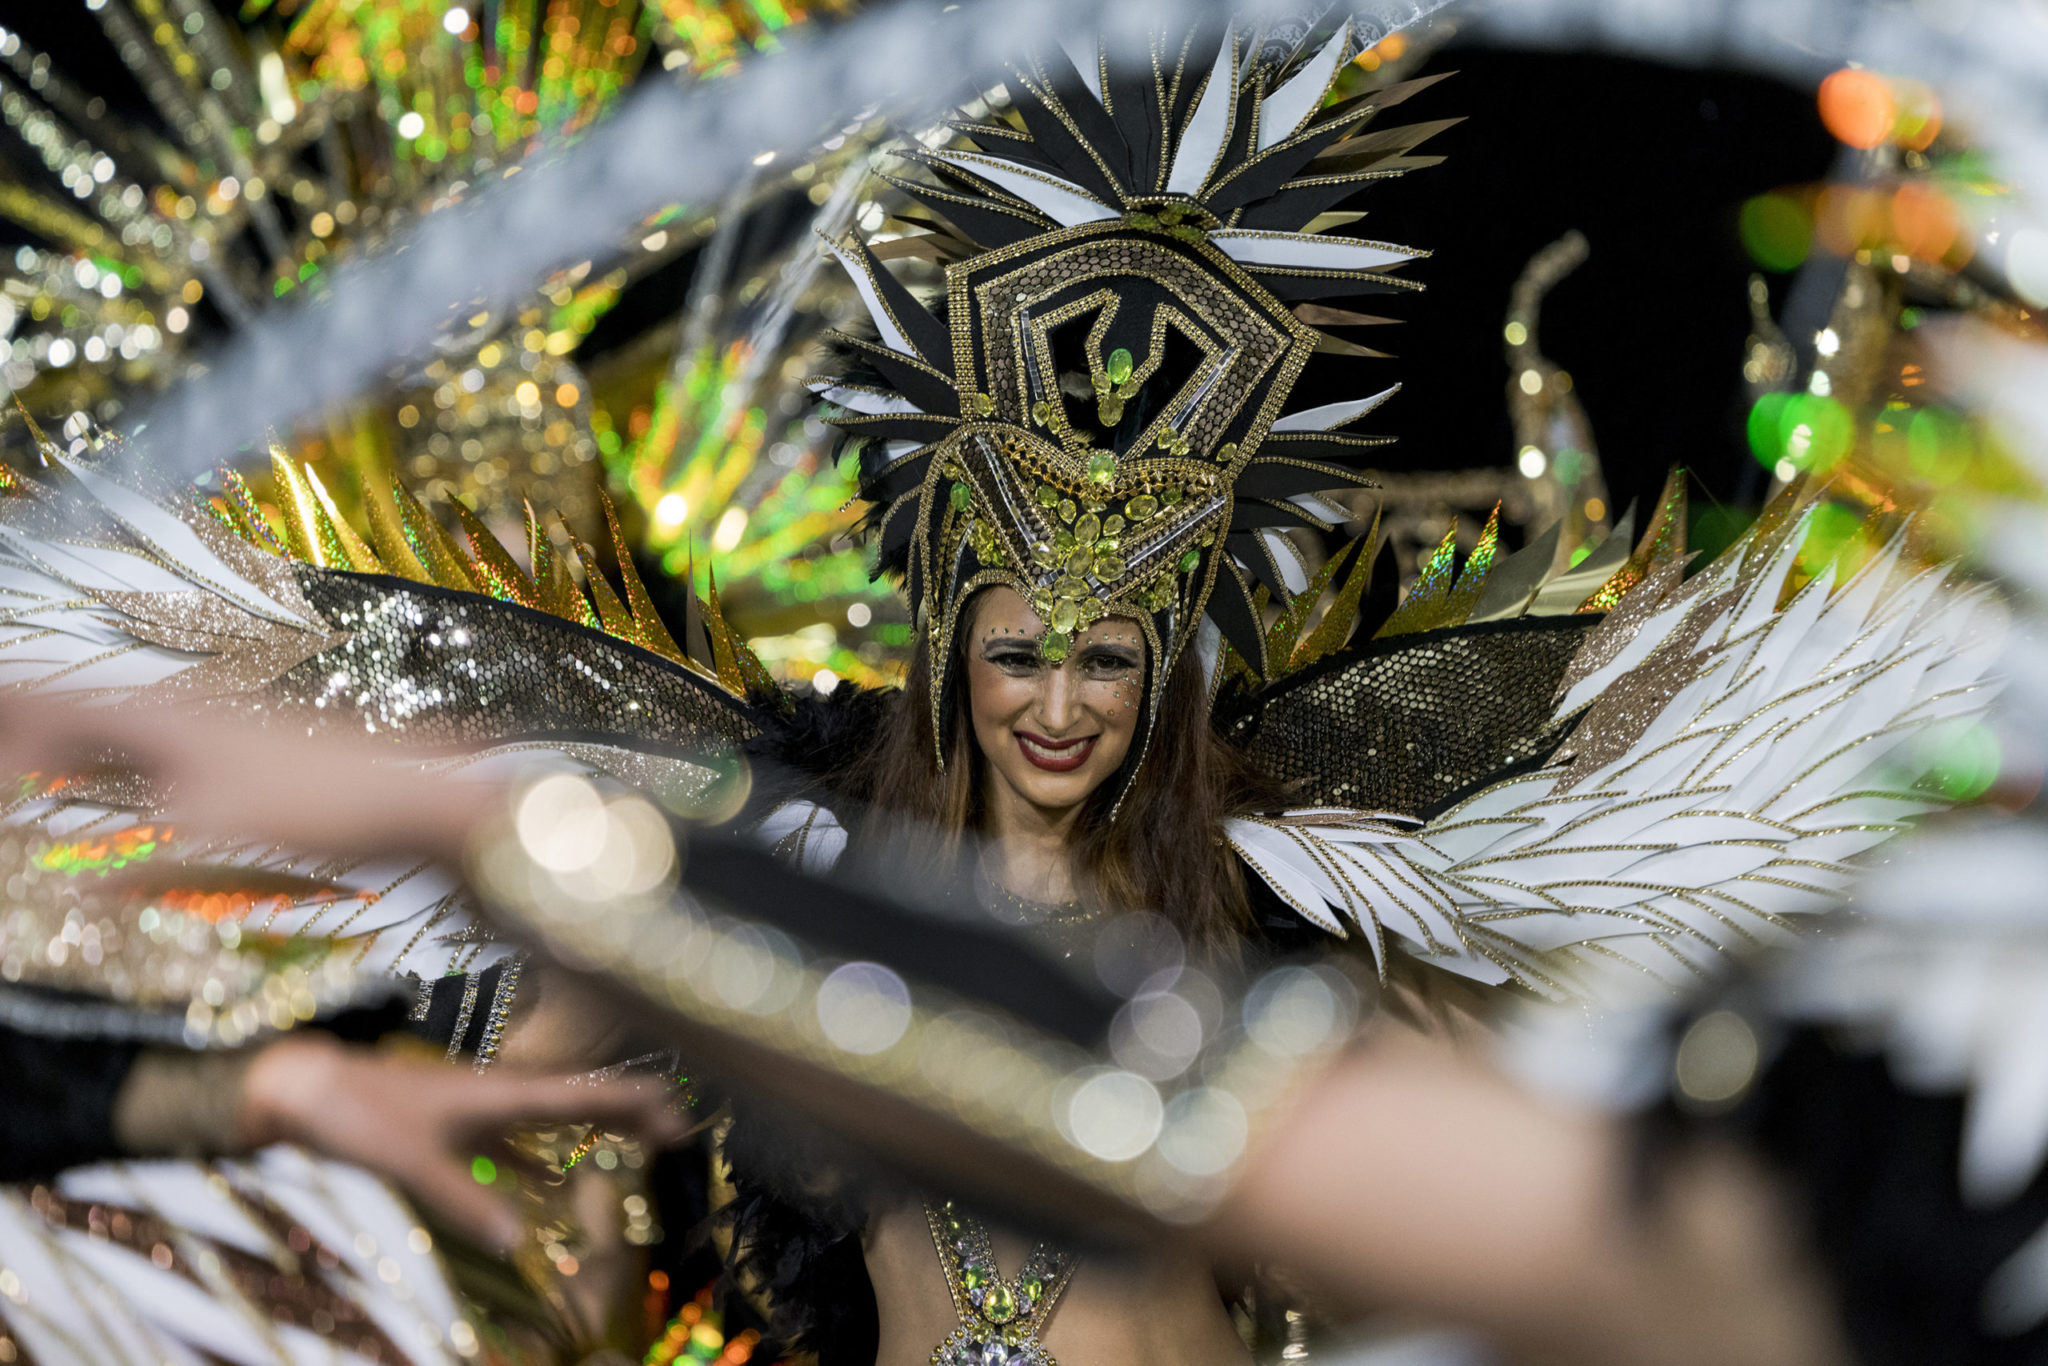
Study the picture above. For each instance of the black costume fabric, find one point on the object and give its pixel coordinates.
(1875, 1166)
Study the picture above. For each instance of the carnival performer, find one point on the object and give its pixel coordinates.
(1132, 691)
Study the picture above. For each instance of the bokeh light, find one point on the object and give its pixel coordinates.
(1777, 231)
(1857, 107)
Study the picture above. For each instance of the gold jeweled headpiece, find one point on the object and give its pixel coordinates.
(1099, 420)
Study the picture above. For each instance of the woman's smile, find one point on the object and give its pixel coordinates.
(1056, 756)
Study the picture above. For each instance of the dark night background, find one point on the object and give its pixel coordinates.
(1651, 163)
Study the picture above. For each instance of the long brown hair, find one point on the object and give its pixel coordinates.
(1163, 852)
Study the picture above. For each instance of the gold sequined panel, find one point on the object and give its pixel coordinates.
(443, 667)
(1408, 724)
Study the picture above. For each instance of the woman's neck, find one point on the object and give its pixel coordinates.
(1029, 850)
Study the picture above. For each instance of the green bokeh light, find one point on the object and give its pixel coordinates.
(1776, 230)
(1965, 768)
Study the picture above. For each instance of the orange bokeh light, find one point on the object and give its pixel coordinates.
(1857, 107)
(1924, 221)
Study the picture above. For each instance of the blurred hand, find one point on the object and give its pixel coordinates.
(227, 775)
(420, 1123)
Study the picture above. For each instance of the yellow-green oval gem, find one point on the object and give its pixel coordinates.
(1048, 496)
(1228, 453)
(1067, 511)
(1102, 467)
(1110, 409)
(960, 495)
(1100, 381)
(1001, 1304)
(1044, 554)
(1062, 541)
(1189, 561)
(1070, 588)
(1109, 568)
(1112, 524)
(1065, 615)
(1055, 646)
(1041, 412)
(1078, 563)
(984, 404)
(1142, 507)
(1088, 528)
(1119, 366)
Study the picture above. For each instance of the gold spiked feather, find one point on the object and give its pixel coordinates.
(403, 539)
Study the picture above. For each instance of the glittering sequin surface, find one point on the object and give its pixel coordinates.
(1407, 724)
(448, 668)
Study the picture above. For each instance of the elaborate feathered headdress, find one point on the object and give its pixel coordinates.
(1100, 420)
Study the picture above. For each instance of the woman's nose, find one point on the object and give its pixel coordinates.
(1058, 705)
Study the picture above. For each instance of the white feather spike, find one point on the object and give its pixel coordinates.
(1060, 200)
(892, 336)
(1208, 128)
(1300, 250)
(1331, 415)
(1282, 113)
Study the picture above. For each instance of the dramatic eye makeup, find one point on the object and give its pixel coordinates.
(1011, 655)
(1110, 661)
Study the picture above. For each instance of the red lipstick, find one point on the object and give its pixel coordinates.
(1055, 756)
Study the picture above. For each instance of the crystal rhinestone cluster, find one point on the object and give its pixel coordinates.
(1000, 1317)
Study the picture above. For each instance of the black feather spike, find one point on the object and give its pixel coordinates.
(933, 343)
(1231, 608)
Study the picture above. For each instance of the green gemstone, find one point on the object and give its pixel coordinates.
(1048, 496)
(1142, 507)
(984, 404)
(1065, 615)
(1041, 412)
(1071, 589)
(1141, 220)
(1055, 646)
(1119, 366)
(1044, 554)
(1186, 233)
(1189, 561)
(1228, 453)
(1109, 545)
(1080, 560)
(960, 496)
(1062, 541)
(1110, 409)
(1088, 528)
(1102, 465)
(1092, 611)
(1101, 382)
(1032, 1286)
(1110, 568)
(1172, 214)
(1067, 511)
(971, 1277)
(1170, 494)
(1112, 524)
(1001, 1304)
